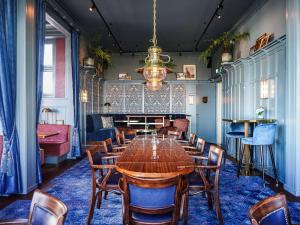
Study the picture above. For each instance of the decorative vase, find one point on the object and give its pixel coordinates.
(226, 57)
(260, 113)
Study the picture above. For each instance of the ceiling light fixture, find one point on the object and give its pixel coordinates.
(92, 7)
(218, 16)
(155, 70)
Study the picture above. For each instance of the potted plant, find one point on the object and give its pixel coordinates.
(226, 41)
(103, 57)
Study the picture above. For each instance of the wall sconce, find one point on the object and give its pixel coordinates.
(191, 99)
(84, 96)
(264, 89)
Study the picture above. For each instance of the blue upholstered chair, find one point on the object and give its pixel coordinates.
(270, 211)
(151, 201)
(236, 132)
(263, 135)
(44, 210)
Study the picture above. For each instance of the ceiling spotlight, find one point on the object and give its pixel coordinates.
(218, 16)
(92, 7)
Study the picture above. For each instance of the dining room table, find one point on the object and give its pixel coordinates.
(149, 156)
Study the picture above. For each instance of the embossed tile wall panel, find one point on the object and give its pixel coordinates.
(134, 98)
(114, 94)
(178, 95)
(157, 101)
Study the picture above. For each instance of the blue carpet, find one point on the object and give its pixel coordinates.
(74, 187)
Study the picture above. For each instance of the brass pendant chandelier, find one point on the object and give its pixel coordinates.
(155, 70)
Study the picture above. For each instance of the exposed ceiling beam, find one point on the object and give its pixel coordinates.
(107, 26)
(208, 24)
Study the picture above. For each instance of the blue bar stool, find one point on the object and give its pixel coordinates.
(263, 135)
(236, 133)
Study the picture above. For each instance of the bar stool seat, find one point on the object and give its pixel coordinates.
(235, 134)
(263, 135)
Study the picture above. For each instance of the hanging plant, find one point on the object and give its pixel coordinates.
(226, 41)
(103, 56)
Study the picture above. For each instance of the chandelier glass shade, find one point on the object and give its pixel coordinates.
(155, 70)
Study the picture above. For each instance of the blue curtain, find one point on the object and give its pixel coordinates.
(10, 171)
(40, 41)
(76, 152)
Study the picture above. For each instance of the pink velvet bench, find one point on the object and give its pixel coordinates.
(56, 146)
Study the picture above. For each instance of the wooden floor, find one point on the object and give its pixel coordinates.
(53, 171)
(49, 172)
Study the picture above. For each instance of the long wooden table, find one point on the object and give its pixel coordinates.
(138, 161)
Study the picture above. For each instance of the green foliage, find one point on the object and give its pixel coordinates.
(226, 40)
(103, 55)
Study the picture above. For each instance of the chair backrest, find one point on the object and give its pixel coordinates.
(130, 134)
(107, 145)
(237, 127)
(192, 138)
(270, 211)
(264, 134)
(176, 134)
(200, 144)
(181, 124)
(46, 210)
(152, 196)
(120, 137)
(94, 155)
(215, 156)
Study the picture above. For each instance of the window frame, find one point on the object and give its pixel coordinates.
(51, 68)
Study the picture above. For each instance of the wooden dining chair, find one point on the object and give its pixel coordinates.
(205, 178)
(272, 210)
(175, 134)
(44, 210)
(196, 150)
(121, 140)
(151, 201)
(108, 146)
(190, 141)
(104, 177)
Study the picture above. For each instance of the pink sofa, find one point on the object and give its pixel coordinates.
(56, 145)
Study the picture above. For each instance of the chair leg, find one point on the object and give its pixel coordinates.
(218, 208)
(209, 200)
(273, 164)
(226, 149)
(105, 195)
(252, 149)
(240, 160)
(186, 209)
(236, 148)
(92, 206)
(262, 163)
(99, 194)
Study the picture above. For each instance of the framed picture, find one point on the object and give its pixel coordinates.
(180, 76)
(190, 72)
(124, 76)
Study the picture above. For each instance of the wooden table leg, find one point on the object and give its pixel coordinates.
(246, 149)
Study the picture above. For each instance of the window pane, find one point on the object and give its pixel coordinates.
(48, 55)
(48, 83)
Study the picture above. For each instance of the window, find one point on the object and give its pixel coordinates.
(49, 70)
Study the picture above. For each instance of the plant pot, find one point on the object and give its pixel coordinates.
(226, 57)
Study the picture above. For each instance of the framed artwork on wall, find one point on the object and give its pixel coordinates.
(190, 72)
(180, 76)
(124, 76)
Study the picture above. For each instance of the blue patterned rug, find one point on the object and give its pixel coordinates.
(74, 187)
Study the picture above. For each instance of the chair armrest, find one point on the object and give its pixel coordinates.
(14, 221)
(119, 149)
(103, 166)
(193, 153)
(113, 156)
(189, 147)
(183, 141)
(207, 167)
(199, 157)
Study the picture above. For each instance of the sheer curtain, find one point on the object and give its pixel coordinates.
(76, 150)
(40, 41)
(10, 173)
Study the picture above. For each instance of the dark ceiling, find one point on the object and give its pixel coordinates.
(180, 23)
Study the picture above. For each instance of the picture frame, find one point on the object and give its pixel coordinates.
(124, 76)
(180, 76)
(190, 72)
